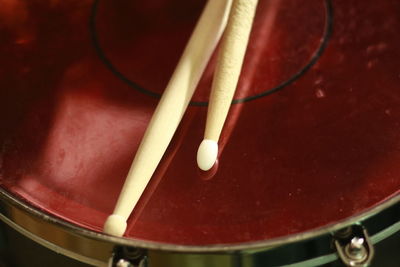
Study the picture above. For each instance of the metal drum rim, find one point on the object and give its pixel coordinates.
(9, 200)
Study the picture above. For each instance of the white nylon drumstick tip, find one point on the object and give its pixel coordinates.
(115, 225)
(207, 154)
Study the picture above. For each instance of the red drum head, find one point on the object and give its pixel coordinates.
(312, 139)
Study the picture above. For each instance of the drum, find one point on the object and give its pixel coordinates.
(308, 172)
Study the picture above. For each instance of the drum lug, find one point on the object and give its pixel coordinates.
(127, 257)
(354, 246)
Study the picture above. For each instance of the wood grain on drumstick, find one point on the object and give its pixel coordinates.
(226, 76)
(170, 110)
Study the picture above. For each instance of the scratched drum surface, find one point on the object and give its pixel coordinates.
(312, 139)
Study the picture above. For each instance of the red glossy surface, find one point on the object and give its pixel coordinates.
(324, 148)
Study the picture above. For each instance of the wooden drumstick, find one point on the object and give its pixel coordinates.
(226, 76)
(170, 110)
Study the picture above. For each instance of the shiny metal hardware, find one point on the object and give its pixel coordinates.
(127, 257)
(95, 248)
(353, 246)
(123, 263)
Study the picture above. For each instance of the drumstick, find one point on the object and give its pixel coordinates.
(170, 110)
(226, 76)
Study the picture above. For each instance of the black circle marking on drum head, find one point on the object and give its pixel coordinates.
(314, 58)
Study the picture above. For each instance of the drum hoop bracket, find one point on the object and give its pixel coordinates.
(354, 246)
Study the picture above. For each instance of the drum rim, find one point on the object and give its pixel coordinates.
(7, 199)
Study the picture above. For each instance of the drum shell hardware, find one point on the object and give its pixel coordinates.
(315, 248)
